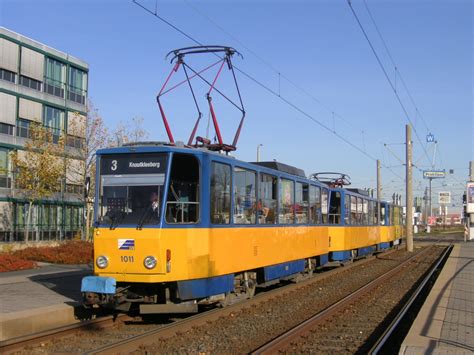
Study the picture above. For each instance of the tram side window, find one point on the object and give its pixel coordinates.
(359, 210)
(287, 201)
(315, 204)
(267, 203)
(347, 210)
(245, 201)
(365, 212)
(183, 193)
(324, 205)
(376, 213)
(353, 210)
(371, 213)
(335, 208)
(220, 193)
(302, 203)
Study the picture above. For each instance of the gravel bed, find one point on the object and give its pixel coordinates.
(241, 331)
(358, 326)
(246, 330)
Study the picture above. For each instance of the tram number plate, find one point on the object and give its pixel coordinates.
(126, 259)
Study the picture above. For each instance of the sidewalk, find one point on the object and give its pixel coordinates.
(39, 299)
(445, 323)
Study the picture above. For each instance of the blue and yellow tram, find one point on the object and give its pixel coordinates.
(177, 227)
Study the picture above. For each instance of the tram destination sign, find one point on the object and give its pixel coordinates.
(124, 164)
(434, 174)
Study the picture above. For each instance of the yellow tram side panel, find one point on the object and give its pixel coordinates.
(203, 252)
(349, 238)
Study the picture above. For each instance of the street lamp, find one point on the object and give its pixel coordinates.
(258, 152)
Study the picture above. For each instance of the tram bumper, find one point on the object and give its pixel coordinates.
(98, 290)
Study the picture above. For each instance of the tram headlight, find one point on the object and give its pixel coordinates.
(149, 262)
(102, 262)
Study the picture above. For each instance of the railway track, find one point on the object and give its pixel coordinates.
(144, 338)
(286, 341)
(36, 342)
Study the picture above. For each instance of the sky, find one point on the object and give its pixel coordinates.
(311, 55)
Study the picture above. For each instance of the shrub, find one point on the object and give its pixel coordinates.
(9, 262)
(71, 252)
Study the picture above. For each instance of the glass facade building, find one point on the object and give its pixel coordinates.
(39, 84)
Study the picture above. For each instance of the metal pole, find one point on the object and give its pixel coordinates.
(258, 152)
(379, 191)
(409, 192)
(470, 218)
(429, 205)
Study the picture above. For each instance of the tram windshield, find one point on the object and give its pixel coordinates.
(131, 190)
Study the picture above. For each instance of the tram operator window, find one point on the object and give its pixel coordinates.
(267, 199)
(353, 210)
(132, 205)
(182, 205)
(245, 202)
(220, 193)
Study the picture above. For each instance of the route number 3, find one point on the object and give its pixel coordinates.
(113, 166)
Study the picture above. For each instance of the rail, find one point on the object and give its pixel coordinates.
(284, 340)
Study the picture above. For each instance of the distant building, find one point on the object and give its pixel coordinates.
(40, 84)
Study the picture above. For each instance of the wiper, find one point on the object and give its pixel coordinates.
(144, 216)
(116, 219)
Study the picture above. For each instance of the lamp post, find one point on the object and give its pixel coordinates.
(258, 152)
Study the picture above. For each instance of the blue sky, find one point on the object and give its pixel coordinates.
(316, 44)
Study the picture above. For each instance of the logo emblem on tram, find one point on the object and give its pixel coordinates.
(126, 244)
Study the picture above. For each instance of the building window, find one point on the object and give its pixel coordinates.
(54, 78)
(7, 75)
(77, 85)
(6, 128)
(23, 128)
(220, 193)
(53, 119)
(245, 196)
(5, 181)
(30, 83)
(3, 161)
(75, 142)
(74, 189)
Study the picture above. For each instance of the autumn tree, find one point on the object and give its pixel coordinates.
(38, 168)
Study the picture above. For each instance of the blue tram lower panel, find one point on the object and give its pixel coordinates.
(322, 259)
(384, 245)
(365, 251)
(200, 288)
(284, 269)
(340, 255)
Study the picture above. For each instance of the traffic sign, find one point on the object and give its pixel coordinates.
(444, 197)
(434, 174)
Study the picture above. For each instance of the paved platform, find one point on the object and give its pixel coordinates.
(39, 299)
(445, 323)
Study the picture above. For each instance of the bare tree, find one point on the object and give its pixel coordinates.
(128, 132)
(96, 136)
